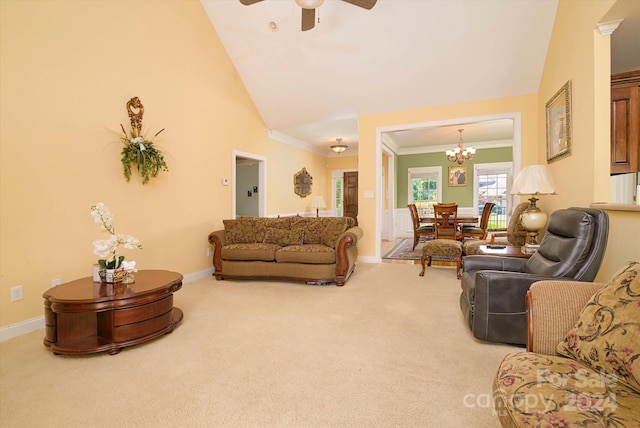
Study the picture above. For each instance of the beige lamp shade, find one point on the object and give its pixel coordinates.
(317, 203)
(534, 180)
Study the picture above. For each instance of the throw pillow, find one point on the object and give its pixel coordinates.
(333, 229)
(283, 237)
(312, 229)
(238, 231)
(516, 233)
(607, 334)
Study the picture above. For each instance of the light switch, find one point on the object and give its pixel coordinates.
(368, 194)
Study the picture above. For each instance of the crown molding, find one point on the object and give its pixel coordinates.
(607, 28)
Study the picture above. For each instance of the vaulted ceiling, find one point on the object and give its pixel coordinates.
(309, 87)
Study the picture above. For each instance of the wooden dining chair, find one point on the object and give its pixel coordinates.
(446, 221)
(419, 230)
(446, 245)
(480, 231)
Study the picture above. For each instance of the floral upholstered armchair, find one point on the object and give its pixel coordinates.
(582, 368)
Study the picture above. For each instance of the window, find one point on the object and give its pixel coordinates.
(425, 188)
(492, 182)
(337, 195)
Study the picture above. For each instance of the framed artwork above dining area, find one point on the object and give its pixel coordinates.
(458, 175)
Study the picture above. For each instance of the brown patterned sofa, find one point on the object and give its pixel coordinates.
(311, 249)
(583, 364)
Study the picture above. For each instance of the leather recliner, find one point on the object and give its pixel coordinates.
(494, 288)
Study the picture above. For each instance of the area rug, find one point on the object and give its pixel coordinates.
(402, 251)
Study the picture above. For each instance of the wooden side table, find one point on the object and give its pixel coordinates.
(83, 316)
(507, 251)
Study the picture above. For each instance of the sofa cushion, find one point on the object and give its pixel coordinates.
(607, 334)
(255, 251)
(283, 237)
(307, 253)
(536, 390)
(239, 231)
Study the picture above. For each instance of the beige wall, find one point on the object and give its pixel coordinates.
(578, 52)
(68, 68)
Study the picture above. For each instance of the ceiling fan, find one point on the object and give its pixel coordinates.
(309, 9)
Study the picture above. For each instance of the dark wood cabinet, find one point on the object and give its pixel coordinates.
(625, 122)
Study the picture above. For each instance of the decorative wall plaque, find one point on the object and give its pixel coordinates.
(302, 182)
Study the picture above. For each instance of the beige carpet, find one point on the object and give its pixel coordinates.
(389, 349)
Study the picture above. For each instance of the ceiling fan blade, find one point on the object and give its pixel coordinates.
(308, 19)
(249, 2)
(365, 4)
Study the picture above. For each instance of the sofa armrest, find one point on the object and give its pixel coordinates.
(216, 239)
(354, 234)
(553, 308)
(346, 252)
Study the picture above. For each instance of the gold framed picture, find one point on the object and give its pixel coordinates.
(457, 175)
(302, 182)
(559, 124)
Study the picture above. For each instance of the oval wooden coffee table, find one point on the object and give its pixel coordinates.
(83, 316)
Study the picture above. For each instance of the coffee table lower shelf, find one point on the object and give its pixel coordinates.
(94, 344)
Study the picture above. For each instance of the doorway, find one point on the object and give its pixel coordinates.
(248, 186)
(382, 139)
(350, 197)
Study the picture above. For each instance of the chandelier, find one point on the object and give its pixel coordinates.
(460, 154)
(340, 147)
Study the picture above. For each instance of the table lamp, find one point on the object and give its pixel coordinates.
(317, 202)
(533, 180)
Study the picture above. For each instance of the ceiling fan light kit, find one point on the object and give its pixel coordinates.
(309, 4)
(460, 153)
(309, 9)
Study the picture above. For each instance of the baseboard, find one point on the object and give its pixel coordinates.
(25, 327)
(369, 259)
(195, 276)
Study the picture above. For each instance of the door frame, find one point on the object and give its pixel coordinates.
(388, 232)
(379, 200)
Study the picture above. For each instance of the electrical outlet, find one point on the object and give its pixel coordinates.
(16, 293)
(55, 282)
(209, 252)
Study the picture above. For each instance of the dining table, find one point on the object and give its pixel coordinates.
(459, 220)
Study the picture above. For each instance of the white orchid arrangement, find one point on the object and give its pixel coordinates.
(106, 248)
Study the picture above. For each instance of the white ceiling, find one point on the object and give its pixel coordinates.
(309, 87)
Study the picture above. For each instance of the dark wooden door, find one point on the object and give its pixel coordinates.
(350, 197)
